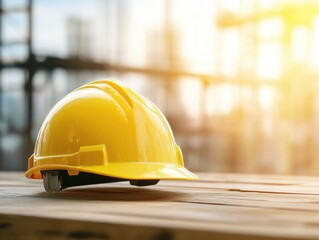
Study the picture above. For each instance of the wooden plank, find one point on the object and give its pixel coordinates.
(219, 206)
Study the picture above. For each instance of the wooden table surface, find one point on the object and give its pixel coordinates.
(218, 206)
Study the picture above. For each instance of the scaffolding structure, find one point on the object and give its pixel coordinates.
(235, 142)
(75, 63)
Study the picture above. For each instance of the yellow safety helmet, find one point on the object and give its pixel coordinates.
(101, 132)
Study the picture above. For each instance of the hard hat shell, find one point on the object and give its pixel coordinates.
(106, 128)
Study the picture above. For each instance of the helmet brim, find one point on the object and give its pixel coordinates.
(124, 170)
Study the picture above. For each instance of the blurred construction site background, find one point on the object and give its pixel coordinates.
(238, 80)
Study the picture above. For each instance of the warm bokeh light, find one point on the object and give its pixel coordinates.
(237, 80)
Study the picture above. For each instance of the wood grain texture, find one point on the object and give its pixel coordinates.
(218, 206)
